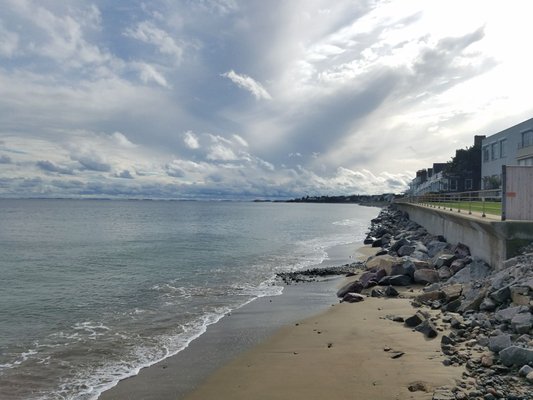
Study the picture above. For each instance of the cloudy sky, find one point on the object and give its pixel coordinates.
(251, 99)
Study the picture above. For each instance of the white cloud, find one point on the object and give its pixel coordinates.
(147, 32)
(191, 140)
(148, 73)
(240, 140)
(9, 42)
(248, 84)
(122, 140)
(219, 152)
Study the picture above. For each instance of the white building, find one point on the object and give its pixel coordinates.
(512, 146)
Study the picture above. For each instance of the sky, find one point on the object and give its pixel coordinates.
(229, 99)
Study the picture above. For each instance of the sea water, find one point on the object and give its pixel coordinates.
(93, 290)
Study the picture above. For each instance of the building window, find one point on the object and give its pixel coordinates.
(485, 153)
(469, 183)
(453, 184)
(527, 138)
(503, 148)
(526, 162)
(494, 151)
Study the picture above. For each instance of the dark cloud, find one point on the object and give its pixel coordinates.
(124, 174)
(92, 162)
(5, 159)
(49, 166)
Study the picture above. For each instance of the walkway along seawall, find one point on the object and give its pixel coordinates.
(491, 240)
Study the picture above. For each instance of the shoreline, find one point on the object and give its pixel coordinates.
(235, 333)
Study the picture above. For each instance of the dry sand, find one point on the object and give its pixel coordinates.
(339, 354)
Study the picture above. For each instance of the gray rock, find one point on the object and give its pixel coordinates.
(396, 280)
(377, 293)
(515, 355)
(399, 243)
(444, 260)
(447, 340)
(452, 306)
(457, 265)
(435, 246)
(500, 296)
(406, 250)
(476, 270)
(526, 369)
(520, 295)
(507, 314)
(416, 319)
(354, 287)
(353, 298)
(421, 248)
(461, 250)
(391, 292)
(522, 322)
(487, 304)
(427, 328)
(452, 292)
(445, 273)
(500, 342)
(425, 276)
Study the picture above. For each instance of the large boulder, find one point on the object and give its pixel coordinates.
(475, 271)
(425, 276)
(353, 287)
(500, 342)
(353, 298)
(383, 262)
(515, 355)
(507, 314)
(522, 322)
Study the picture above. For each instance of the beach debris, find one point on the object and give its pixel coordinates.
(330, 345)
(397, 354)
(419, 386)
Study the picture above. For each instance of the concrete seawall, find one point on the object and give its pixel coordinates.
(492, 241)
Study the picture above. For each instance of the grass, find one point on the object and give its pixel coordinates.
(490, 207)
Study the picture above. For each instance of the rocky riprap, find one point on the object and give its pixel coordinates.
(485, 313)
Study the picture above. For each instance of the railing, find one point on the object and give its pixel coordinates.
(482, 201)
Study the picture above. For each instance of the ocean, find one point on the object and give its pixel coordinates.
(91, 291)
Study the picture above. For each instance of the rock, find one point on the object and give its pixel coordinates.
(369, 240)
(391, 292)
(416, 319)
(517, 356)
(445, 273)
(435, 247)
(500, 342)
(419, 386)
(487, 304)
(377, 293)
(520, 295)
(399, 243)
(476, 270)
(377, 243)
(500, 296)
(427, 328)
(382, 262)
(526, 369)
(457, 265)
(396, 280)
(430, 296)
(353, 298)
(461, 250)
(472, 300)
(507, 314)
(529, 377)
(452, 292)
(425, 276)
(353, 287)
(522, 322)
(487, 360)
(406, 250)
(447, 340)
(444, 260)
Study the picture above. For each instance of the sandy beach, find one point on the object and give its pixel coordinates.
(344, 353)
(348, 351)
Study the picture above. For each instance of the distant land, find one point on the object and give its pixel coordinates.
(377, 199)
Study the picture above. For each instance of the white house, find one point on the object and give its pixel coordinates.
(512, 146)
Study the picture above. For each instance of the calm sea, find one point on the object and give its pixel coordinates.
(91, 290)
